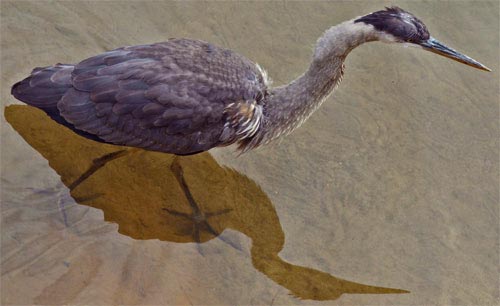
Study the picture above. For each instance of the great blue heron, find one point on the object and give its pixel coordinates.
(186, 96)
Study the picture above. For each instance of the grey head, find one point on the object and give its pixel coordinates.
(401, 26)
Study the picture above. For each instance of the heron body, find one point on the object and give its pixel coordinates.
(186, 96)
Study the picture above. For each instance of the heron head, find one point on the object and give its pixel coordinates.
(395, 25)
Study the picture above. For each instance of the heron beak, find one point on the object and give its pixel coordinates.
(435, 46)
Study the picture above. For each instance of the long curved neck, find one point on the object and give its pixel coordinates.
(288, 106)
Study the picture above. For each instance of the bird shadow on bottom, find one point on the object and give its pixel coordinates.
(153, 195)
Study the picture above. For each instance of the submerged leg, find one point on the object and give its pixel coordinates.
(97, 164)
(199, 218)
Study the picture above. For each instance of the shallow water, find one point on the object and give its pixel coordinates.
(393, 183)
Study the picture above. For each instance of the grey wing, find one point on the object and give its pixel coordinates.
(169, 97)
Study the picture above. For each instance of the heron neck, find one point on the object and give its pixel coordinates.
(287, 107)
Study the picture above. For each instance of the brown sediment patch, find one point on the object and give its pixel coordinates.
(153, 195)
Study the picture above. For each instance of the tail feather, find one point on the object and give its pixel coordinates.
(44, 87)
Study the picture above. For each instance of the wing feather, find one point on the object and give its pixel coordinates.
(169, 96)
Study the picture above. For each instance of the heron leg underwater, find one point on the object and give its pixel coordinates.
(97, 164)
(198, 216)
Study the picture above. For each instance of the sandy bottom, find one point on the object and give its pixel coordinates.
(388, 195)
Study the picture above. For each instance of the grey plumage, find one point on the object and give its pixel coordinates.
(186, 96)
(171, 97)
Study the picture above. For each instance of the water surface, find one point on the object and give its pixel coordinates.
(393, 183)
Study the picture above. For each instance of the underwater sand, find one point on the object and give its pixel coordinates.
(392, 183)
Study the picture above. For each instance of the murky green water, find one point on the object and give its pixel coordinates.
(393, 183)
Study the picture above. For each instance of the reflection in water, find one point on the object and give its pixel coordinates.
(153, 195)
